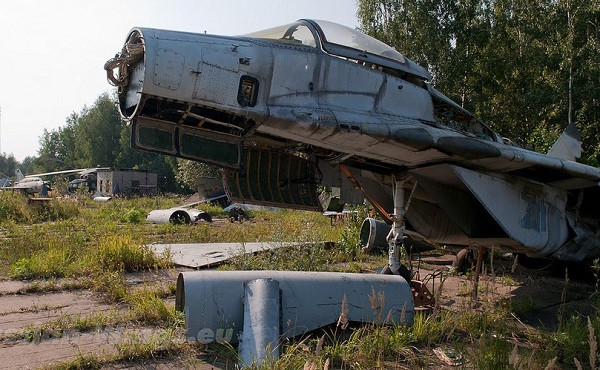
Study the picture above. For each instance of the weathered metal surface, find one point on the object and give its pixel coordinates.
(197, 255)
(373, 234)
(212, 301)
(260, 334)
(177, 215)
(532, 214)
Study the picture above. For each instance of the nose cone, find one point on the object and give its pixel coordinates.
(126, 71)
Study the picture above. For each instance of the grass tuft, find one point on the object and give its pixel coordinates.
(54, 262)
(122, 253)
(133, 216)
(150, 308)
(136, 347)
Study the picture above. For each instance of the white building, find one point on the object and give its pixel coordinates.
(126, 182)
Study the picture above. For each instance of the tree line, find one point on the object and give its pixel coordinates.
(95, 137)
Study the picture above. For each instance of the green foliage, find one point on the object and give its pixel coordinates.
(151, 308)
(189, 171)
(494, 353)
(132, 211)
(133, 216)
(55, 262)
(303, 257)
(135, 347)
(75, 247)
(8, 165)
(97, 137)
(495, 58)
(308, 231)
(89, 139)
(349, 242)
(95, 248)
(97, 134)
(13, 207)
(54, 210)
(111, 284)
(573, 338)
(88, 362)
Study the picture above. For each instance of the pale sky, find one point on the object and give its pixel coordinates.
(52, 53)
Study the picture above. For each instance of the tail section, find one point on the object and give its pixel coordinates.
(568, 145)
(19, 175)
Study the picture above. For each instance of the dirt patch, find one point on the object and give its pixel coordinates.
(28, 340)
(25, 310)
(55, 347)
(32, 325)
(538, 297)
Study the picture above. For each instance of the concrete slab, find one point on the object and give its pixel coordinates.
(197, 255)
(46, 352)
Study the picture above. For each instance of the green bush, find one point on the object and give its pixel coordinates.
(152, 309)
(15, 207)
(133, 216)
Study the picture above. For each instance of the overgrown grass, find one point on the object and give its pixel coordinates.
(477, 341)
(94, 245)
(14, 207)
(317, 245)
(57, 258)
(83, 237)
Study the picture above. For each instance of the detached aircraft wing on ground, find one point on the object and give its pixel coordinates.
(313, 103)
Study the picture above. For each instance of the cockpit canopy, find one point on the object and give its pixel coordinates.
(344, 42)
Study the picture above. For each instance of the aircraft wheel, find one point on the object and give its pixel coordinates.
(404, 272)
(537, 264)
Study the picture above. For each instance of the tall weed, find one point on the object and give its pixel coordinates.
(16, 207)
(123, 253)
(151, 308)
(575, 337)
(54, 262)
(13, 207)
(54, 210)
(133, 216)
(111, 284)
(492, 352)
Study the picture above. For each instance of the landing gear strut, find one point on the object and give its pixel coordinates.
(396, 236)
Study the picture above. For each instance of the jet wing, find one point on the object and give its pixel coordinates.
(64, 172)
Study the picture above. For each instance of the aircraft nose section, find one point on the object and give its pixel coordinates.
(184, 78)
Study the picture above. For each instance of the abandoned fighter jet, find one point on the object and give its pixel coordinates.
(315, 103)
(30, 184)
(33, 184)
